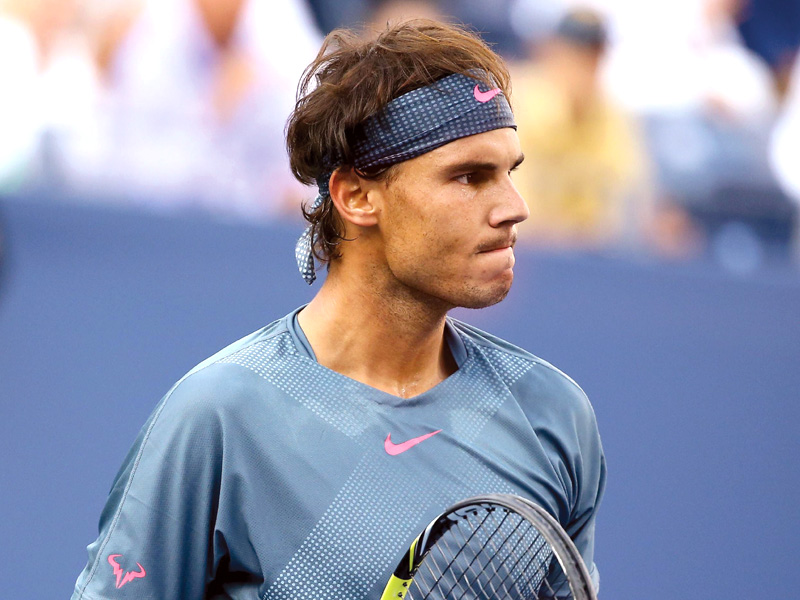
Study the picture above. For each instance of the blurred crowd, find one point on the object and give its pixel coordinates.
(170, 103)
(661, 128)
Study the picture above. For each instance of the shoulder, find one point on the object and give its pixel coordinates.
(532, 380)
(501, 351)
(265, 342)
(228, 381)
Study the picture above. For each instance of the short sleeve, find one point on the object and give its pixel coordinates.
(156, 530)
(565, 423)
(592, 477)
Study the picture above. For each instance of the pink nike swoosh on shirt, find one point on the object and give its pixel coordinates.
(484, 96)
(395, 449)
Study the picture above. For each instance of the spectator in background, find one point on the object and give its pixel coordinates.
(771, 29)
(195, 97)
(685, 55)
(708, 105)
(706, 101)
(383, 12)
(585, 177)
(45, 82)
(19, 68)
(785, 148)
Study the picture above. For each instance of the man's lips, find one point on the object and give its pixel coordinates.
(497, 245)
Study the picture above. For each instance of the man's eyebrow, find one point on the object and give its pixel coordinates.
(477, 165)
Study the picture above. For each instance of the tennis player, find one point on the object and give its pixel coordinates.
(299, 462)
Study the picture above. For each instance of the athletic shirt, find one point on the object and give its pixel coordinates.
(264, 475)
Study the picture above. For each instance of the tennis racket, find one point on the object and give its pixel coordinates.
(493, 547)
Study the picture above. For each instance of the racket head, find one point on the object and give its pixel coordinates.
(491, 547)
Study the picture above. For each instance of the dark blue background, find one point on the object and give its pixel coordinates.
(694, 375)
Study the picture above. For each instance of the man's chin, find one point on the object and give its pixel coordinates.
(483, 298)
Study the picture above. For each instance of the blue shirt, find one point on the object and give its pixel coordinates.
(263, 474)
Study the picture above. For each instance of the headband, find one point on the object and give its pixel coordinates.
(411, 125)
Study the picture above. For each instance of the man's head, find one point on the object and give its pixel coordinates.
(371, 112)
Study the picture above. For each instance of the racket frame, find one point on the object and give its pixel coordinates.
(564, 550)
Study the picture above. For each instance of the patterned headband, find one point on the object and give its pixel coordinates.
(411, 125)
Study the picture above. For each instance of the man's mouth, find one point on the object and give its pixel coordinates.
(497, 245)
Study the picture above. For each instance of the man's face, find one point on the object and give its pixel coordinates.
(448, 221)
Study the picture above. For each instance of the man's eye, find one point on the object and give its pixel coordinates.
(466, 178)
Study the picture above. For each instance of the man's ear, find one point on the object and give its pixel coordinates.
(352, 198)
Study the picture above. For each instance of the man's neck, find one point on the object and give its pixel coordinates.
(394, 343)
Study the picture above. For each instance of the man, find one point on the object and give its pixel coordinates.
(300, 461)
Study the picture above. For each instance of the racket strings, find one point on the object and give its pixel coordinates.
(486, 554)
(525, 580)
(500, 575)
(446, 559)
(490, 541)
(523, 547)
(510, 551)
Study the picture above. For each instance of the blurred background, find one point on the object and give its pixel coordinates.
(148, 218)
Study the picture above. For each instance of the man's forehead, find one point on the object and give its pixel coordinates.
(498, 144)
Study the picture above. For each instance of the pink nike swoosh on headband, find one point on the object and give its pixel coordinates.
(395, 449)
(484, 96)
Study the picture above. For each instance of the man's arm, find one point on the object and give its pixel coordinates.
(156, 529)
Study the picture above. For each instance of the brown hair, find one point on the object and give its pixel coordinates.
(352, 79)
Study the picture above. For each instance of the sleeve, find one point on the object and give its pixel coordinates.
(586, 465)
(565, 424)
(157, 528)
(590, 477)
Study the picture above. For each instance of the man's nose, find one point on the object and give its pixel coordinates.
(511, 206)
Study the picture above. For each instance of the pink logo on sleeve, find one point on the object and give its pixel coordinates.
(484, 96)
(121, 575)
